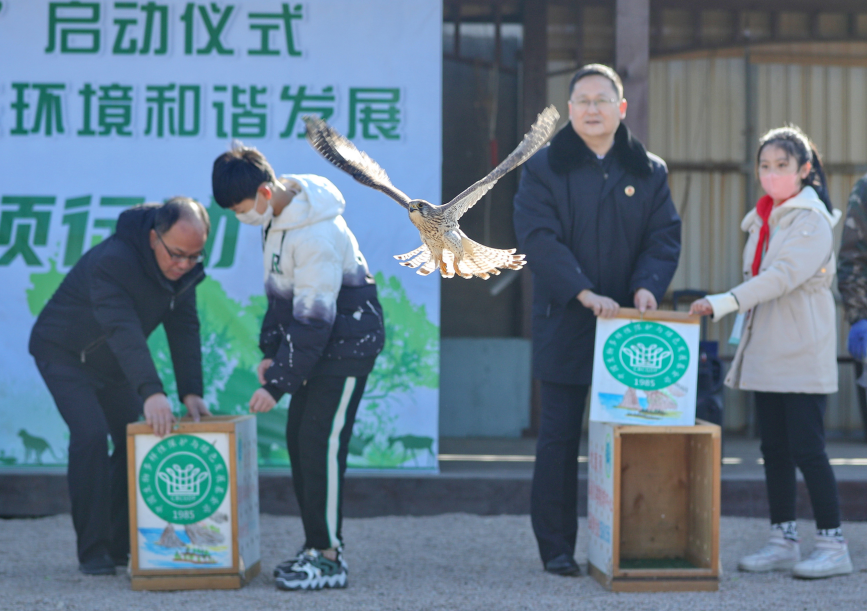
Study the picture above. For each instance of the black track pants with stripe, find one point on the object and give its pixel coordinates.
(321, 415)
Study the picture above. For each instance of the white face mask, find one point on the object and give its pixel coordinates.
(253, 216)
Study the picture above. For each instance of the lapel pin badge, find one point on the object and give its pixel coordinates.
(630, 191)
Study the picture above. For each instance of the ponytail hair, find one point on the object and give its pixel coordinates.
(795, 142)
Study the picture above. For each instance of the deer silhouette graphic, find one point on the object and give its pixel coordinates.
(412, 444)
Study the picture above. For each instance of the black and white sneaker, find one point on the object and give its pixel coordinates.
(286, 566)
(313, 571)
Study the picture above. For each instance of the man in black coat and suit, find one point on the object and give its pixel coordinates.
(594, 215)
(90, 346)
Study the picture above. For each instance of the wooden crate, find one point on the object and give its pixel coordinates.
(194, 505)
(654, 507)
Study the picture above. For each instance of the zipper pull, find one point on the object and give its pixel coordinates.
(82, 356)
(172, 304)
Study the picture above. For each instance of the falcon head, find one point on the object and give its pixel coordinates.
(418, 207)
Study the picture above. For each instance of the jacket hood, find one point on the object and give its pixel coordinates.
(807, 199)
(133, 227)
(569, 152)
(318, 200)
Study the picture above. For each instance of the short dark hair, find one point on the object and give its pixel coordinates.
(598, 70)
(238, 173)
(180, 208)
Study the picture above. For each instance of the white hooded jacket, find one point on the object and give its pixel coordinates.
(323, 314)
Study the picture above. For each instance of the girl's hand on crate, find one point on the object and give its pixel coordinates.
(701, 307)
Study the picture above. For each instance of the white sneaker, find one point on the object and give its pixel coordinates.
(831, 557)
(778, 554)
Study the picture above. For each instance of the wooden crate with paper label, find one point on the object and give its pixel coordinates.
(653, 493)
(194, 505)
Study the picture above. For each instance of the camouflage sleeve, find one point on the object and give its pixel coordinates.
(852, 265)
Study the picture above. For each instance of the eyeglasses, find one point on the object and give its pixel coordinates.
(584, 104)
(198, 258)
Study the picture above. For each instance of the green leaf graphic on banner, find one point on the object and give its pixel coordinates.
(411, 354)
(410, 359)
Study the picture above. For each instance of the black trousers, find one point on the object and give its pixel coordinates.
(793, 435)
(318, 428)
(94, 408)
(554, 497)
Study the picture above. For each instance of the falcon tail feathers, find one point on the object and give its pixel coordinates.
(484, 261)
(411, 255)
(479, 260)
(421, 257)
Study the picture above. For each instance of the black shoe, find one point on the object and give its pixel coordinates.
(564, 565)
(120, 560)
(101, 565)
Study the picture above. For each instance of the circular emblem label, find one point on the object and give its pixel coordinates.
(183, 479)
(646, 355)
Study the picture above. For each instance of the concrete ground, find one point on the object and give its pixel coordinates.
(447, 562)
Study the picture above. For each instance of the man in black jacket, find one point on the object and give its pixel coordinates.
(594, 215)
(90, 345)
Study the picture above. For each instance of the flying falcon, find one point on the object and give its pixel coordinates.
(444, 245)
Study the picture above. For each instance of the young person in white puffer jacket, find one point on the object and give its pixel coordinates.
(787, 347)
(319, 339)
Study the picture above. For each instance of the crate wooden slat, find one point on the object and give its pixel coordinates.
(659, 315)
(654, 499)
(235, 520)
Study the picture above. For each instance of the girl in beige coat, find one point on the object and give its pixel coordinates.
(787, 348)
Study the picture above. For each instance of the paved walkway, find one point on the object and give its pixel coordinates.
(448, 562)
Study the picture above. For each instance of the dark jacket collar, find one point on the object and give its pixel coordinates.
(568, 152)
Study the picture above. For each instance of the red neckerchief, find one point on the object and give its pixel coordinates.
(764, 207)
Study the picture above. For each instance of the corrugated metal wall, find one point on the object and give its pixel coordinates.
(699, 122)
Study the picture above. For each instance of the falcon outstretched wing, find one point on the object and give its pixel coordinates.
(538, 135)
(342, 153)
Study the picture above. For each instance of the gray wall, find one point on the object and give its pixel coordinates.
(484, 387)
